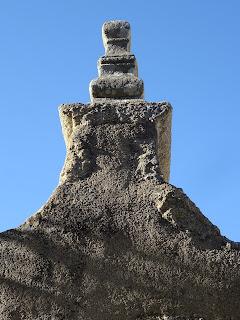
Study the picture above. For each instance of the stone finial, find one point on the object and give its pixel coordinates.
(117, 70)
(116, 37)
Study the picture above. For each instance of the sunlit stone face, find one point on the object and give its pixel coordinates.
(117, 70)
(116, 37)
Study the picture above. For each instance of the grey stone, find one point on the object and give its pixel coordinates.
(151, 154)
(117, 70)
(116, 37)
(116, 240)
(117, 65)
(119, 87)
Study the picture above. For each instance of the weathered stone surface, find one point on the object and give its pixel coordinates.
(116, 240)
(118, 87)
(117, 70)
(116, 37)
(117, 65)
(146, 146)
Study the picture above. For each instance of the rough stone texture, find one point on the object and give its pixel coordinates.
(148, 149)
(117, 64)
(118, 87)
(116, 241)
(116, 37)
(117, 70)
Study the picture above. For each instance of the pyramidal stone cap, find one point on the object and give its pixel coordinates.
(117, 69)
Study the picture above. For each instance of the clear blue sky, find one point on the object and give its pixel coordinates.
(188, 53)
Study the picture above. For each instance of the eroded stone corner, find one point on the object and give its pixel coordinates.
(163, 125)
(77, 164)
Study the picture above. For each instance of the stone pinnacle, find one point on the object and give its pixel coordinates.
(117, 70)
(115, 240)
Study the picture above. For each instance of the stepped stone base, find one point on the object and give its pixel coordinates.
(117, 70)
(117, 87)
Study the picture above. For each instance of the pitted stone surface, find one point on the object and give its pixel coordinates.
(118, 86)
(118, 71)
(116, 240)
(116, 37)
(149, 138)
(117, 65)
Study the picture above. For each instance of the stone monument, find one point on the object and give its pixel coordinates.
(116, 240)
(118, 71)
